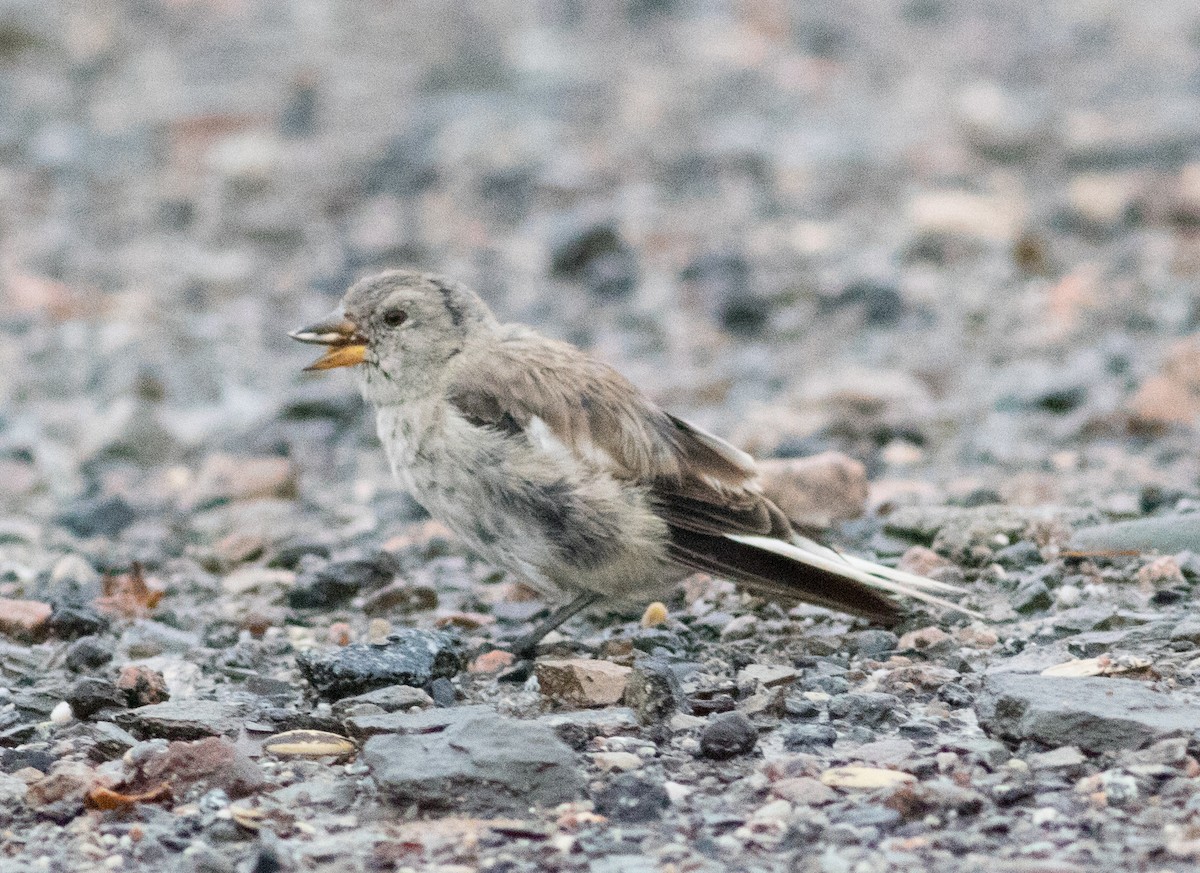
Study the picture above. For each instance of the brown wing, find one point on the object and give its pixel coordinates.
(595, 412)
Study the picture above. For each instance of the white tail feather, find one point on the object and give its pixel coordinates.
(861, 570)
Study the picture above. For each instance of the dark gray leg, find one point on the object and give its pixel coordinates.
(525, 646)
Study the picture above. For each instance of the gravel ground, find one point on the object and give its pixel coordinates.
(957, 242)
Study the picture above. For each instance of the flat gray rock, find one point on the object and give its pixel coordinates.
(428, 721)
(409, 657)
(1093, 714)
(183, 719)
(1167, 534)
(484, 765)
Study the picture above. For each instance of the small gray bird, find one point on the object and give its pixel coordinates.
(550, 464)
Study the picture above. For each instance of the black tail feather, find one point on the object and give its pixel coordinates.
(779, 576)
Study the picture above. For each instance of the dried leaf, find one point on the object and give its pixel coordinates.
(105, 798)
(129, 595)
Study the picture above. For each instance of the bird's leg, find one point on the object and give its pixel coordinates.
(525, 645)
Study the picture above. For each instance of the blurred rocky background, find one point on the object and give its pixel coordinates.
(956, 241)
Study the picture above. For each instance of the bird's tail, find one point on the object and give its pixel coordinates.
(869, 573)
(804, 570)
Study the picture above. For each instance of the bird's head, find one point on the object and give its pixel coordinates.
(402, 329)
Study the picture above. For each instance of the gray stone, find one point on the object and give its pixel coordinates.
(183, 719)
(394, 698)
(410, 657)
(871, 708)
(578, 728)
(483, 765)
(728, 735)
(425, 722)
(653, 690)
(1167, 534)
(1094, 714)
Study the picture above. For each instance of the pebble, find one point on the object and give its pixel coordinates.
(653, 690)
(62, 713)
(24, 619)
(485, 765)
(195, 768)
(183, 719)
(864, 778)
(410, 657)
(633, 798)
(393, 698)
(1093, 714)
(582, 681)
(728, 735)
(817, 491)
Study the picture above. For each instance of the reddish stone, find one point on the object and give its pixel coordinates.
(142, 686)
(24, 619)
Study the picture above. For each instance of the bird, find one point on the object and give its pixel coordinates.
(549, 464)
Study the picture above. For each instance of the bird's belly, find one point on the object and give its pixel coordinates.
(561, 530)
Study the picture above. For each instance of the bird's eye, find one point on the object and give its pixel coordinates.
(395, 317)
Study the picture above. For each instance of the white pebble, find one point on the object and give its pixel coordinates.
(1068, 596)
(62, 713)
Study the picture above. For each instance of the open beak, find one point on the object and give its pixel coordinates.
(347, 346)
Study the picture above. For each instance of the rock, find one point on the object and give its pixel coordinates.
(1062, 758)
(98, 517)
(817, 491)
(596, 255)
(631, 798)
(578, 729)
(410, 657)
(1172, 395)
(226, 478)
(109, 741)
(741, 627)
(607, 762)
(443, 692)
(864, 778)
(653, 691)
(881, 302)
(1032, 595)
(257, 579)
(804, 791)
(142, 686)
(394, 698)
(424, 722)
(1169, 534)
(88, 654)
(805, 737)
(200, 766)
(492, 662)
(870, 708)
(183, 719)
(767, 675)
(582, 681)
(928, 639)
(337, 582)
(68, 781)
(1094, 714)
(483, 765)
(874, 643)
(728, 735)
(1161, 572)
(25, 620)
(90, 695)
(916, 800)
(62, 714)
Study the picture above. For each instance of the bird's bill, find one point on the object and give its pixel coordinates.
(347, 346)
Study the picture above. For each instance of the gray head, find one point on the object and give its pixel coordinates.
(403, 327)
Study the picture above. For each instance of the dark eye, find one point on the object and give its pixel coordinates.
(395, 317)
